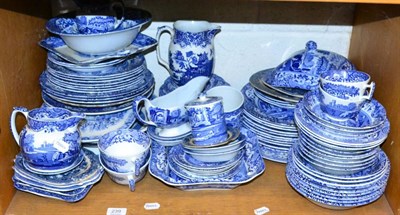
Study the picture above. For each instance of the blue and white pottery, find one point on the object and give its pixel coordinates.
(338, 108)
(93, 24)
(251, 166)
(95, 42)
(89, 171)
(59, 47)
(191, 50)
(168, 112)
(124, 150)
(105, 65)
(371, 116)
(256, 81)
(68, 196)
(232, 100)
(153, 133)
(206, 117)
(268, 80)
(127, 178)
(169, 86)
(346, 85)
(217, 155)
(303, 69)
(51, 138)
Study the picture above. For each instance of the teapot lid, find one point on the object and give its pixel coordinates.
(303, 69)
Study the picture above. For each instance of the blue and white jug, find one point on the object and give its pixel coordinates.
(191, 50)
(51, 140)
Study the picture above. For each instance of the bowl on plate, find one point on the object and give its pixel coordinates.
(98, 42)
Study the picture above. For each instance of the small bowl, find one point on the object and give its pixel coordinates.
(95, 43)
(124, 150)
(220, 149)
(127, 178)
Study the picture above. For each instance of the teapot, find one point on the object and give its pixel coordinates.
(50, 140)
(167, 112)
(191, 50)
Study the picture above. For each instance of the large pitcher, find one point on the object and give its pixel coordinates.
(50, 141)
(191, 50)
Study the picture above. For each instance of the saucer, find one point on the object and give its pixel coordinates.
(87, 172)
(53, 170)
(233, 134)
(56, 45)
(174, 131)
(371, 115)
(81, 193)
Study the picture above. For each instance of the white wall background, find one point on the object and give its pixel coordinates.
(243, 49)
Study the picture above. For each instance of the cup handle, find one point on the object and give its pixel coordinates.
(371, 87)
(160, 31)
(13, 117)
(136, 110)
(131, 183)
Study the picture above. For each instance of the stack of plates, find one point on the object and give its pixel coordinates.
(70, 186)
(207, 162)
(103, 91)
(175, 165)
(339, 157)
(268, 111)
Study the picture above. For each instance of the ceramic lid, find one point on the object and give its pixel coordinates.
(303, 69)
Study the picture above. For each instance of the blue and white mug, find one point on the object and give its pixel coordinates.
(206, 117)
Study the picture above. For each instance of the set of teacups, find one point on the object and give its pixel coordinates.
(343, 92)
(125, 155)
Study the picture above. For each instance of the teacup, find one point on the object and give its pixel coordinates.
(337, 108)
(347, 84)
(232, 100)
(124, 150)
(127, 178)
(91, 24)
(206, 117)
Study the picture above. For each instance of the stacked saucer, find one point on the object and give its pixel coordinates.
(70, 186)
(269, 114)
(338, 163)
(190, 161)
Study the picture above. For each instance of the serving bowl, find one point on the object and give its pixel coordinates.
(96, 42)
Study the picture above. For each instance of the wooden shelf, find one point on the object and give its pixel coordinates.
(270, 189)
(344, 1)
